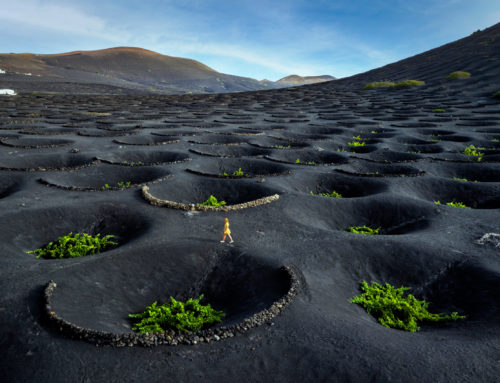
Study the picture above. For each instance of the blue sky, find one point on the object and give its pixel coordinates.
(253, 38)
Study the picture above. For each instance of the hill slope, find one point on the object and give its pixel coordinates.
(299, 80)
(477, 54)
(125, 67)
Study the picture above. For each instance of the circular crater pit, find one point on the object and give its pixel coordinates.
(391, 118)
(244, 132)
(472, 172)
(416, 124)
(204, 125)
(435, 132)
(337, 116)
(49, 131)
(439, 119)
(94, 306)
(423, 149)
(478, 123)
(358, 123)
(259, 128)
(4, 135)
(454, 138)
(105, 177)
(56, 120)
(238, 121)
(360, 149)
(346, 186)
(219, 139)
(472, 194)
(411, 141)
(176, 132)
(145, 140)
(469, 287)
(297, 137)
(488, 155)
(10, 184)
(369, 169)
(324, 130)
(34, 143)
(383, 133)
(392, 215)
(491, 130)
(110, 218)
(141, 158)
(187, 194)
(43, 162)
(243, 285)
(274, 143)
(117, 127)
(387, 155)
(307, 157)
(104, 133)
(226, 168)
(230, 151)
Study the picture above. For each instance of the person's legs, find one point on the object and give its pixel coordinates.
(223, 238)
(230, 238)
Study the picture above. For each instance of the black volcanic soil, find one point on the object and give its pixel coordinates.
(53, 163)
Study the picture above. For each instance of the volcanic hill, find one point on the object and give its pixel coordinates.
(300, 80)
(122, 67)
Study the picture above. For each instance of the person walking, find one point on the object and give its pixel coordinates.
(227, 231)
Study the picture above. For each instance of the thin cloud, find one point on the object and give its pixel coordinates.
(38, 15)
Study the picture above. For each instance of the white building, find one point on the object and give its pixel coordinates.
(7, 92)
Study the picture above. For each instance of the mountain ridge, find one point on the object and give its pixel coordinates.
(295, 79)
(129, 68)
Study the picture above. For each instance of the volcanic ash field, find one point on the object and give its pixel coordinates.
(136, 166)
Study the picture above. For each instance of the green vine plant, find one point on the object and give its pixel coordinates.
(132, 163)
(363, 230)
(471, 150)
(358, 141)
(125, 184)
(458, 75)
(460, 179)
(212, 201)
(236, 173)
(333, 194)
(390, 84)
(388, 305)
(121, 185)
(189, 316)
(438, 110)
(298, 161)
(454, 204)
(75, 245)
